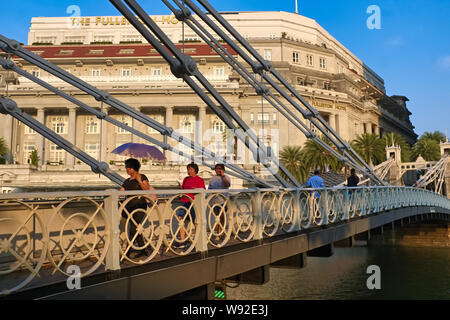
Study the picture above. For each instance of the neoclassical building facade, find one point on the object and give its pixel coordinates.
(110, 54)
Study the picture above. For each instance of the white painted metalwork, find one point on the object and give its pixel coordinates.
(42, 234)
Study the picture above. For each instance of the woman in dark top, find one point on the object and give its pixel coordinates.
(136, 181)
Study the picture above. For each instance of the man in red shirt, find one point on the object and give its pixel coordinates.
(192, 181)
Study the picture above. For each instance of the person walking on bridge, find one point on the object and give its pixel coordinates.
(315, 182)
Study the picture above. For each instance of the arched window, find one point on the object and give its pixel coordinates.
(218, 126)
(92, 124)
(59, 124)
(187, 125)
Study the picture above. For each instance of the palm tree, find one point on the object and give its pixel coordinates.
(3, 148)
(428, 148)
(316, 157)
(292, 158)
(392, 138)
(371, 148)
(436, 136)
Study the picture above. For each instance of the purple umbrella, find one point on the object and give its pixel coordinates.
(140, 150)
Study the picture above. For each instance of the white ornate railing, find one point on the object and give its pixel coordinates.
(42, 234)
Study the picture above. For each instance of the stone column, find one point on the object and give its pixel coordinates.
(332, 121)
(70, 159)
(377, 130)
(137, 125)
(104, 137)
(200, 125)
(40, 141)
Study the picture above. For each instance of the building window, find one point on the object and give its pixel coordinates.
(103, 39)
(273, 36)
(187, 124)
(268, 54)
(126, 72)
(92, 149)
(27, 148)
(36, 73)
(218, 126)
(28, 130)
(96, 72)
(218, 147)
(296, 57)
(125, 120)
(300, 81)
(252, 118)
(219, 71)
(131, 38)
(59, 124)
(92, 125)
(56, 153)
(326, 85)
(157, 117)
(156, 71)
(323, 63)
(310, 60)
(263, 118)
(1, 78)
(274, 118)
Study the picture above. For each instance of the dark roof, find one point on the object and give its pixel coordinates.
(332, 179)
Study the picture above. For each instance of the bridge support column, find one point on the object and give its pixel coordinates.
(324, 251)
(364, 236)
(345, 243)
(378, 230)
(257, 276)
(295, 262)
(205, 292)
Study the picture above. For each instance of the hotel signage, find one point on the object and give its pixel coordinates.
(116, 21)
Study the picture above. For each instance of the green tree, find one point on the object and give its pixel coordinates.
(392, 138)
(436, 136)
(371, 148)
(3, 148)
(292, 158)
(317, 157)
(428, 148)
(34, 158)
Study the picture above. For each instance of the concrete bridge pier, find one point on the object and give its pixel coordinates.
(256, 276)
(363, 236)
(297, 261)
(345, 243)
(324, 251)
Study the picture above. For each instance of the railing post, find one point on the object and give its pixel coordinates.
(297, 209)
(377, 203)
(112, 215)
(200, 205)
(257, 208)
(346, 205)
(325, 207)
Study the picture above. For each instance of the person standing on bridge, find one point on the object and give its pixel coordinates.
(137, 206)
(353, 180)
(219, 181)
(315, 182)
(192, 181)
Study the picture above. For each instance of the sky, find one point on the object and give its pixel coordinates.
(410, 50)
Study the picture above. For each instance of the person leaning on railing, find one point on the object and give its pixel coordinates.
(192, 181)
(136, 181)
(219, 181)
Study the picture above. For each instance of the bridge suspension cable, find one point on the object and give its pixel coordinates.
(264, 68)
(12, 46)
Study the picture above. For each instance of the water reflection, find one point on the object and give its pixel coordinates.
(406, 273)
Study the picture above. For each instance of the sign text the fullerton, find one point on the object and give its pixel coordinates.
(117, 21)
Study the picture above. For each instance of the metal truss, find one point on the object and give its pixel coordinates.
(184, 67)
(14, 47)
(344, 152)
(435, 174)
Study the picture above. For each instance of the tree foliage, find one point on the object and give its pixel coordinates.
(371, 148)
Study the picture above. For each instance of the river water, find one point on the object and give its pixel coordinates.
(406, 273)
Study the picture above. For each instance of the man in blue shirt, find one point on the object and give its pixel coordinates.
(315, 182)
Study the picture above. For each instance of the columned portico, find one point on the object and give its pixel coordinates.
(70, 159)
(200, 125)
(40, 145)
